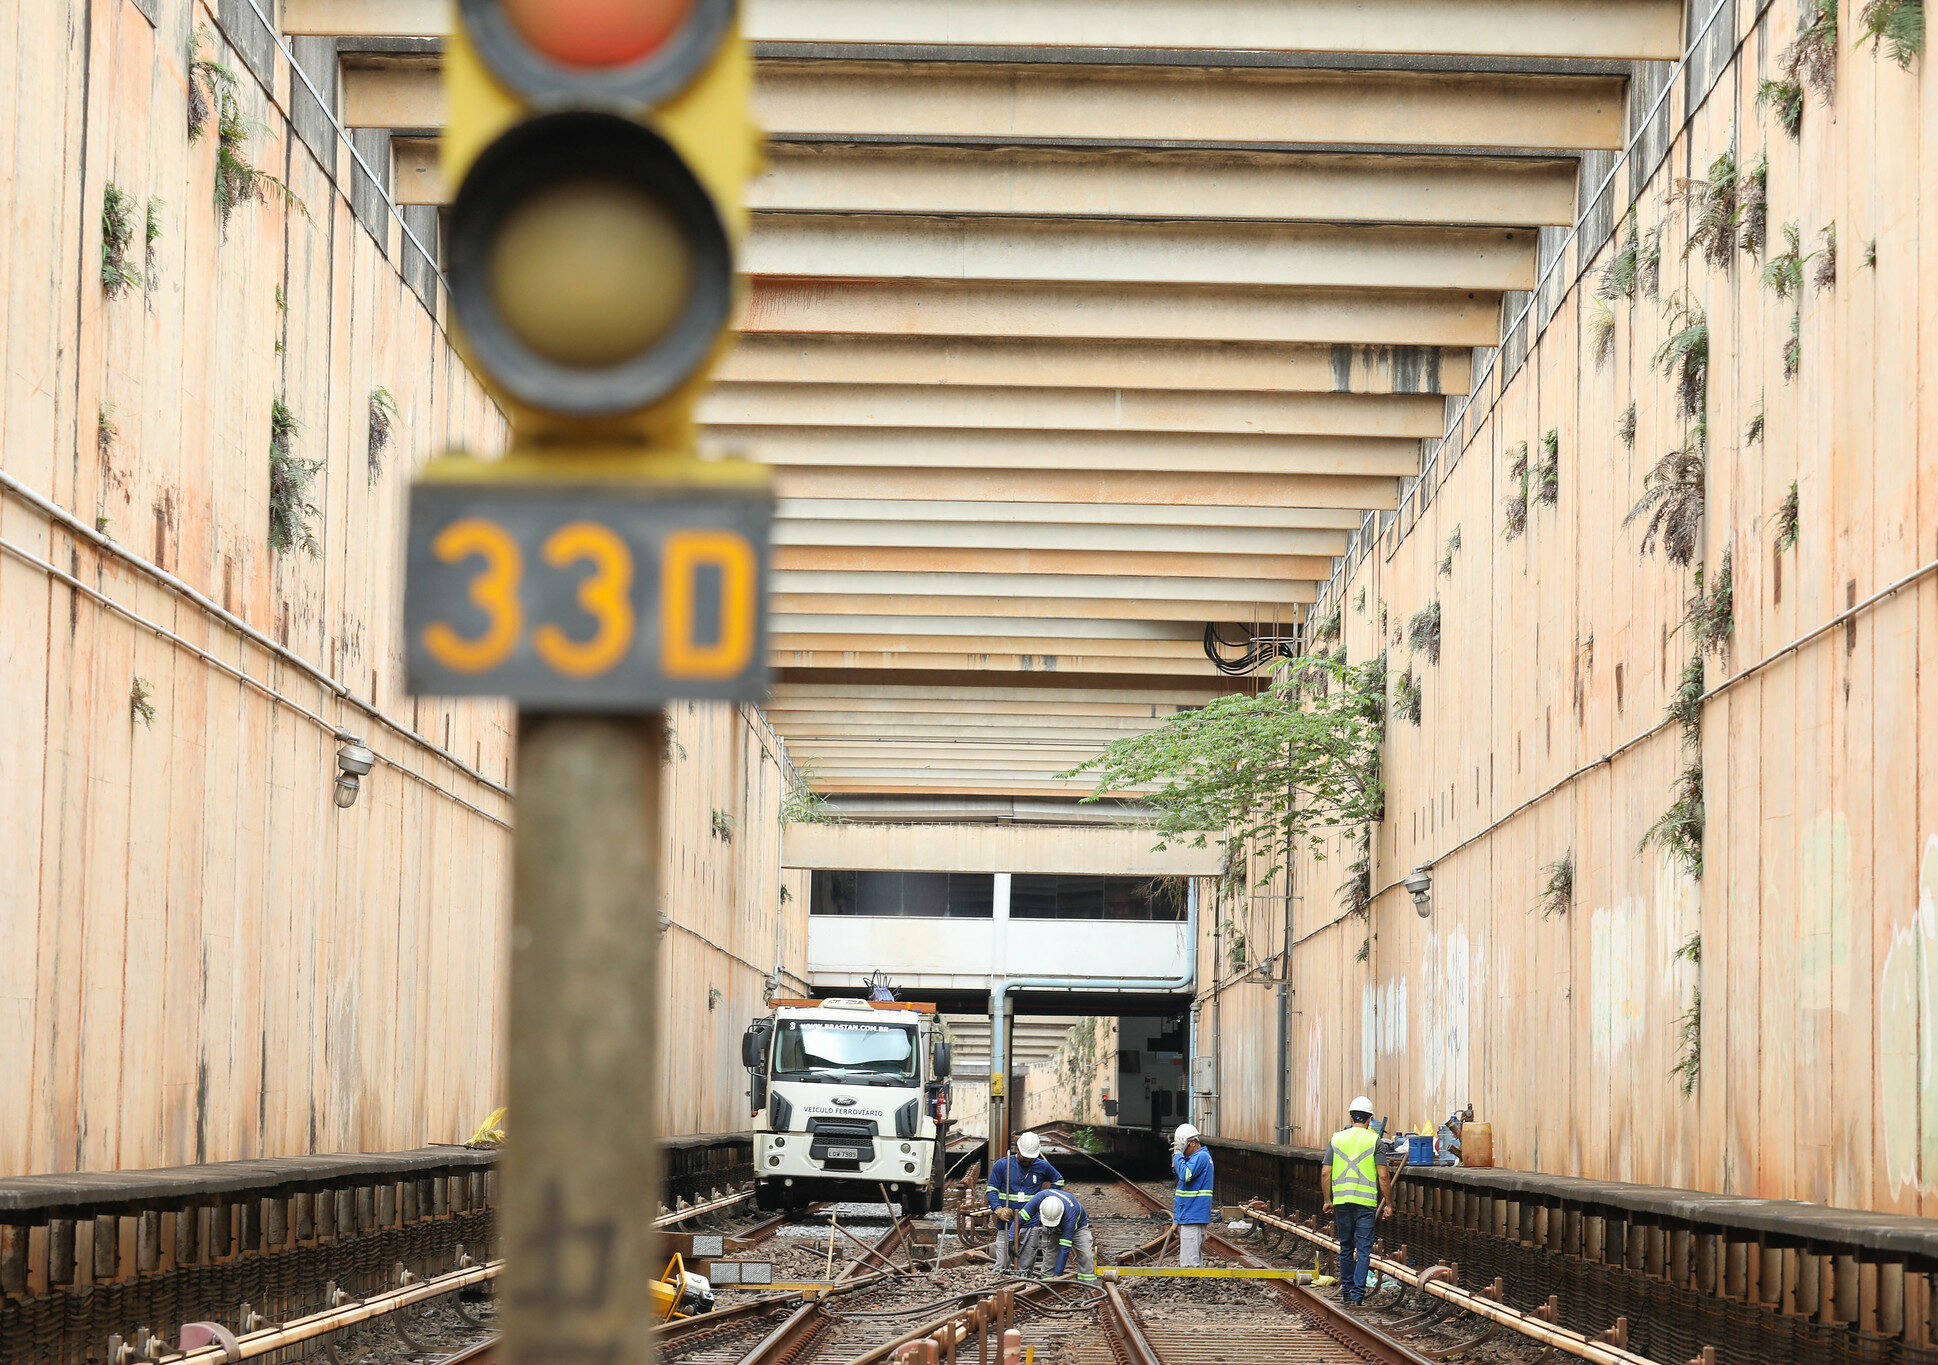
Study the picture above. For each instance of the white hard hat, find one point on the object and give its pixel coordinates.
(1029, 1144)
(1051, 1210)
(1185, 1132)
(1361, 1105)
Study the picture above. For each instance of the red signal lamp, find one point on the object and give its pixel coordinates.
(556, 52)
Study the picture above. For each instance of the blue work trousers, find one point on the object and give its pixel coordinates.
(1354, 1224)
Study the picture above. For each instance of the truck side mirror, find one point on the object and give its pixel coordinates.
(753, 1049)
(942, 1059)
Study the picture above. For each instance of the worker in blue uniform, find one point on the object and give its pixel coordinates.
(1054, 1218)
(1013, 1182)
(1191, 1203)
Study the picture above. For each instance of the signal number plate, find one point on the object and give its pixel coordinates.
(586, 598)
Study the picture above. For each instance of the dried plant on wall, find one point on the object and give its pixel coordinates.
(1673, 498)
(1407, 696)
(1625, 428)
(1811, 57)
(1621, 276)
(140, 705)
(1684, 357)
(1788, 518)
(1423, 631)
(1516, 506)
(1548, 486)
(1825, 275)
(1715, 209)
(1754, 191)
(1601, 331)
(382, 417)
(1453, 547)
(1711, 615)
(1558, 891)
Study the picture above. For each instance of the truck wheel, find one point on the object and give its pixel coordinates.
(764, 1199)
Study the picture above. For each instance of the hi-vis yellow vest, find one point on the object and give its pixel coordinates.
(1354, 1178)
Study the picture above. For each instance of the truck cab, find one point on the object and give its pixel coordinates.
(850, 1101)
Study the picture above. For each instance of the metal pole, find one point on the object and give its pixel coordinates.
(581, 1163)
(1284, 1132)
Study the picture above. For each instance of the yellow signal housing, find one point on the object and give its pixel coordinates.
(638, 259)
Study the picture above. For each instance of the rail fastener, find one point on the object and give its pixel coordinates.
(1549, 1334)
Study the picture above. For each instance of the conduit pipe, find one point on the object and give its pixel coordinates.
(999, 1039)
(1549, 1334)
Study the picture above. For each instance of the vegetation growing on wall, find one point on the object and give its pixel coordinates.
(1558, 890)
(140, 705)
(1715, 208)
(1784, 95)
(802, 805)
(1548, 486)
(1516, 507)
(1622, 275)
(1602, 332)
(1811, 57)
(1423, 631)
(1684, 357)
(290, 511)
(106, 432)
(1453, 547)
(1754, 191)
(117, 237)
(1894, 27)
(1407, 697)
(723, 826)
(1685, 706)
(212, 87)
(151, 234)
(1711, 615)
(208, 81)
(1753, 433)
(382, 416)
(1679, 832)
(1688, 1067)
(1625, 428)
(1788, 518)
(1825, 275)
(1673, 497)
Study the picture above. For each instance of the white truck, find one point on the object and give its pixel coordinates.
(850, 1101)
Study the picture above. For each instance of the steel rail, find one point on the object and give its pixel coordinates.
(1548, 1334)
(806, 1322)
(248, 1345)
(667, 1220)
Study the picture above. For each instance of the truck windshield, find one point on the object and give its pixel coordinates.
(806, 1050)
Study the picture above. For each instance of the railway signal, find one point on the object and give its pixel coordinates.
(600, 149)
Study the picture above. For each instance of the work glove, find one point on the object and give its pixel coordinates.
(1005, 1215)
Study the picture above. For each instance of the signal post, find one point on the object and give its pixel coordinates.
(601, 568)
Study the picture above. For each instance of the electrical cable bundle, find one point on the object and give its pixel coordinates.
(1256, 656)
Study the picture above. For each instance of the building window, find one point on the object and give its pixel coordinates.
(913, 895)
(1035, 896)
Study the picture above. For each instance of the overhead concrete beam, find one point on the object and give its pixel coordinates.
(1381, 317)
(1020, 589)
(971, 621)
(1170, 607)
(1183, 105)
(970, 664)
(984, 638)
(1181, 185)
(1640, 29)
(1114, 183)
(1011, 731)
(901, 527)
(910, 559)
(851, 246)
(1005, 100)
(959, 407)
(1117, 452)
(999, 700)
(1097, 363)
(1270, 517)
(1099, 486)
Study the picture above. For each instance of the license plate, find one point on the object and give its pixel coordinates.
(844, 1153)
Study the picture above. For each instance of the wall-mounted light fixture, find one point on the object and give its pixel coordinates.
(1419, 885)
(353, 760)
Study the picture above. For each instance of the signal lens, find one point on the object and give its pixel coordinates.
(590, 271)
(596, 33)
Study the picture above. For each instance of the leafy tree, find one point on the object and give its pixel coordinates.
(1267, 771)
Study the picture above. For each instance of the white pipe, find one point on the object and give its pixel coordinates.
(74, 524)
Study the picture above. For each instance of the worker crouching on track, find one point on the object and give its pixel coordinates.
(1355, 1190)
(1191, 1206)
(1013, 1182)
(1055, 1216)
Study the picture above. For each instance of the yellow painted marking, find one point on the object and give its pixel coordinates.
(1206, 1273)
